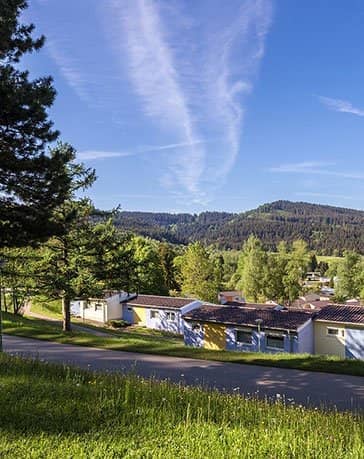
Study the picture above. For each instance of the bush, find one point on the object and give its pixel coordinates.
(118, 323)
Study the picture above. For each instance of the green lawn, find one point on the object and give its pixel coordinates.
(54, 412)
(50, 308)
(328, 258)
(149, 344)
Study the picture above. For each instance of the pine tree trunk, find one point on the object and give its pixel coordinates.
(66, 311)
(4, 298)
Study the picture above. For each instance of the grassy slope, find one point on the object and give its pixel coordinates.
(329, 259)
(50, 412)
(50, 308)
(138, 342)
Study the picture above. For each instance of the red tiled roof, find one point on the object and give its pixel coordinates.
(160, 301)
(283, 320)
(342, 313)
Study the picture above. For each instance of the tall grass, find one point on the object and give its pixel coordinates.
(49, 411)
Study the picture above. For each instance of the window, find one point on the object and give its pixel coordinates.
(154, 314)
(244, 337)
(196, 327)
(275, 342)
(98, 306)
(129, 308)
(332, 331)
(171, 316)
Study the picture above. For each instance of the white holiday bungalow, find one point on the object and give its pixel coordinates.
(158, 312)
(151, 311)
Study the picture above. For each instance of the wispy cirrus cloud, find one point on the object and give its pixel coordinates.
(69, 67)
(191, 77)
(304, 166)
(154, 75)
(340, 105)
(175, 71)
(316, 168)
(101, 154)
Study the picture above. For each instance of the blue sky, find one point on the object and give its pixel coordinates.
(186, 106)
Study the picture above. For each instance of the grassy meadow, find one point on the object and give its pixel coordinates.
(152, 343)
(49, 411)
(49, 308)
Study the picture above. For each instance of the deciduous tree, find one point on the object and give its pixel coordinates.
(198, 276)
(251, 267)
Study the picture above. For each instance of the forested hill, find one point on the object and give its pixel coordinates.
(327, 229)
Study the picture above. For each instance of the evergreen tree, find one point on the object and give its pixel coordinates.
(64, 270)
(313, 263)
(167, 254)
(32, 182)
(322, 267)
(113, 256)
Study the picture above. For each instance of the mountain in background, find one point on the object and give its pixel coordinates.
(328, 230)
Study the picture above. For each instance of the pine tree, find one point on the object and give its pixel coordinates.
(33, 182)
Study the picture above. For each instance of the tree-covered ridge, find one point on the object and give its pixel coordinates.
(326, 229)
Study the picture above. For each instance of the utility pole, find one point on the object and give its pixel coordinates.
(1, 321)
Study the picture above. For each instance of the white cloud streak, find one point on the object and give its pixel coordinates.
(316, 168)
(69, 68)
(339, 105)
(102, 154)
(190, 81)
(191, 74)
(229, 81)
(99, 154)
(155, 79)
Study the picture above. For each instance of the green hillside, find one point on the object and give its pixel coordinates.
(328, 230)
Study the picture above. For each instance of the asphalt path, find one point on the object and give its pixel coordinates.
(313, 389)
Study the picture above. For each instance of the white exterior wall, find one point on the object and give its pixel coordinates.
(89, 312)
(76, 307)
(161, 323)
(184, 310)
(113, 308)
(306, 338)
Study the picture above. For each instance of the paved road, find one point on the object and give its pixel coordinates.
(307, 388)
(81, 328)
